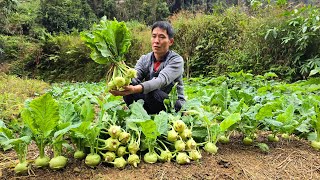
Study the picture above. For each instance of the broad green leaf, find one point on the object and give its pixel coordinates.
(312, 136)
(108, 40)
(104, 50)
(161, 121)
(111, 104)
(98, 58)
(123, 39)
(267, 110)
(149, 129)
(16, 142)
(229, 121)
(67, 128)
(273, 122)
(221, 97)
(199, 132)
(192, 104)
(92, 134)
(131, 125)
(28, 120)
(304, 127)
(67, 112)
(138, 112)
(87, 111)
(5, 135)
(45, 113)
(82, 129)
(287, 115)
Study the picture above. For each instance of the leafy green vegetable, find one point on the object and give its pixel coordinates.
(41, 117)
(108, 40)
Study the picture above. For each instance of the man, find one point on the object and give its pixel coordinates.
(157, 72)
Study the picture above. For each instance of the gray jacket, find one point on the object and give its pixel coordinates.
(169, 72)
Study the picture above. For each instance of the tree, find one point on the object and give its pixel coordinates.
(147, 11)
(154, 10)
(66, 15)
(103, 8)
(6, 8)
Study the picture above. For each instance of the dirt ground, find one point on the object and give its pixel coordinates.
(286, 160)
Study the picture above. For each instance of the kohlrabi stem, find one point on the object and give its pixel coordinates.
(163, 145)
(95, 146)
(78, 144)
(114, 73)
(138, 133)
(318, 135)
(41, 149)
(209, 134)
(25, 152)
(20, 152)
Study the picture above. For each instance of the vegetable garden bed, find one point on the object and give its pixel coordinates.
(72, 117)
(286, 160)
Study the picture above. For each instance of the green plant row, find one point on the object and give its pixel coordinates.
(99, 128)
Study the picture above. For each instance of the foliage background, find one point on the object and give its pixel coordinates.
(40, 39)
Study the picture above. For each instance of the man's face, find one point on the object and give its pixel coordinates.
(160, 41)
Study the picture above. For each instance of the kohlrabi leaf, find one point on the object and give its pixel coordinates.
(81, 130)
(305, 126)
(123, 39)
(131, 125)
(236, 106)
(229, 121)
(192, 104)
(273, 122)
(67, 112)
(108, 40)
(138, 115)
(138, 112)
(267, 110)
(149, 129)
(287, 115)
(199, 133)
(312, 136)
(111, 104)
(28, 120)
(87, 111)
(161, 121)
(221, 97)
(5, 135)
(18, 141)
(43, 115)
(67, 127)
(104, 50)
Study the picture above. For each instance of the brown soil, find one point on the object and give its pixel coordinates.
(286, 160)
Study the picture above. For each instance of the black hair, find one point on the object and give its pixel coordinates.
(164, 25)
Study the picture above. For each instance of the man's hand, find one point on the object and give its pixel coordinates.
(127, 90)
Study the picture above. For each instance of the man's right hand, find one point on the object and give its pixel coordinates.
(127, 90)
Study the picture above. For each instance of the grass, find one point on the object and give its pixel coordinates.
(13, 93)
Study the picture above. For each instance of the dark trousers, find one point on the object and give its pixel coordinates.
(153, 101)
